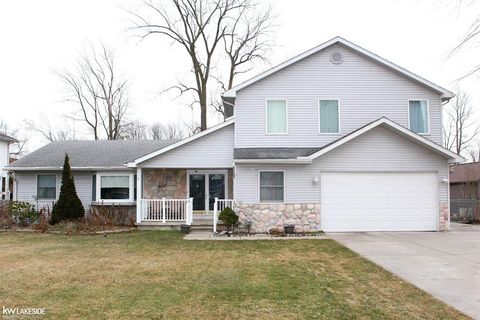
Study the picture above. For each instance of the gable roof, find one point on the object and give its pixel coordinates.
(384, 122)
(272, 153)
(445, 94)
(465, 172)
(177, 144)
(4, 137)
(397, 128)
(88, 155)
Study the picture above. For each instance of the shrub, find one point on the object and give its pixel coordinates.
(5, 216)
(22, 213)
(68, 206)
(228, 216)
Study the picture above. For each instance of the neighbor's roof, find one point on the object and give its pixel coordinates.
(467, 172)
(272, 153)
(446, 95)
(4, 137)
(89, 154)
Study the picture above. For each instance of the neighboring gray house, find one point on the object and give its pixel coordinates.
(5, 142)
(335, 139)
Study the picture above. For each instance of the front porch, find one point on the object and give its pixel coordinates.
(168, 198)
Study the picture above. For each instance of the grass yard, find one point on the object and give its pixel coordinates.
(155, 274)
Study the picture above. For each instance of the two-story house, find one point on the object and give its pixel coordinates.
(5, 189)
(335, 139)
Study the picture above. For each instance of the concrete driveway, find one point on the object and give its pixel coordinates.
(444, 264)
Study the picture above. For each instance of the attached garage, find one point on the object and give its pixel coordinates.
(379, 201)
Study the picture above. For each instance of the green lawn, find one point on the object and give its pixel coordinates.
(158, 275)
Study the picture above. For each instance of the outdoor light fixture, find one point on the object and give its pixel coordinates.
(315, 180)
(444, 180)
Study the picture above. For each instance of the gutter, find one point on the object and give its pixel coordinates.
(61, 168)
(274, 161)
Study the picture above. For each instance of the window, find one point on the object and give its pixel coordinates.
(46, 186)
(114, 187)
(329, 116)
(271, 186)
(418, 116)
(276, 116)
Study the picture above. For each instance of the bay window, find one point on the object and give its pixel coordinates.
(115, 187)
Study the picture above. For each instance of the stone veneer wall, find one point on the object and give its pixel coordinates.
(443, 216)
(264, 217)
(168, 183)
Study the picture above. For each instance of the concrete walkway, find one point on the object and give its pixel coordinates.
(444, 264)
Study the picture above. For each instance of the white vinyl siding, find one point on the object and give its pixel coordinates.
(271, 186)
(418, 116)
(366, 90)
(214, 150)
(329, 116)
(27, 188)
(378, 150)
(277, 116)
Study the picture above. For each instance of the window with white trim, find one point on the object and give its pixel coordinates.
(329, 116)
(115, 187)
(271, 186)
(46, 186)
(276, 116)
(418, 116)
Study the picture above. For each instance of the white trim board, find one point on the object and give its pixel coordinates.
(445, 94)
(149, 156)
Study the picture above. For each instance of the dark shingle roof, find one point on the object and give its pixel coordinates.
(4, 137)
(83, 153)
(273, 153)
(466, 172)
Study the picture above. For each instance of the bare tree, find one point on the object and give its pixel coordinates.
(99, 91)
(53, 133)
(134, 130)
(471, 37)
(199, 26)
(169, 131)
(460, 130)
(18, 147)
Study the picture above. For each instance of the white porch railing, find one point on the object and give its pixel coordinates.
(218, 206)
(166, 210)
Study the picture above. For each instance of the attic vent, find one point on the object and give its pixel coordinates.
(336, 58)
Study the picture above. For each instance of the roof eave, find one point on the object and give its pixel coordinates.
(298, 160)
(60, 168)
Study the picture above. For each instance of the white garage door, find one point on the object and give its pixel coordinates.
(379, 201)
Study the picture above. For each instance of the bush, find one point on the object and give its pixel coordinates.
(23, 213)
(228, 216)
(5, 216)
(68, 206)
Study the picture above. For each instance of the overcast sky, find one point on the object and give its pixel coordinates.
(39, 37)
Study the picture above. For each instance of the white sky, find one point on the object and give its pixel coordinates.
(39, 37)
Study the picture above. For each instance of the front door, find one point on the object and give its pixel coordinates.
(197, 191)
(204, 188)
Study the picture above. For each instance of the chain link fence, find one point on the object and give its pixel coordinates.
(464, 210)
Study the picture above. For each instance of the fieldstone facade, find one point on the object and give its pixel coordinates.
(443, 216)
(168, 183)
(264, 217)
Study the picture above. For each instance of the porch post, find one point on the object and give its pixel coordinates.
(139, 195)
(7, 187)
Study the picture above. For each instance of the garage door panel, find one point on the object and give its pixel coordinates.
(378, 201)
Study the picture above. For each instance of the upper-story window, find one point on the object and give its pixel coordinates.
(276, 116)
(329, 116)
(418, 116)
